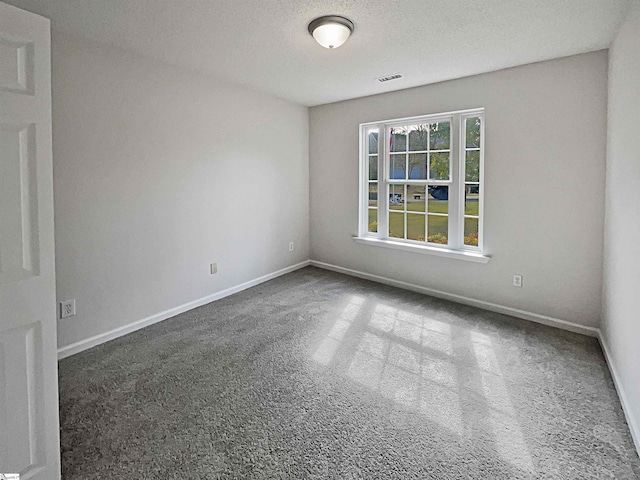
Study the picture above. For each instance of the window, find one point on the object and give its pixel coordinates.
(421, 183)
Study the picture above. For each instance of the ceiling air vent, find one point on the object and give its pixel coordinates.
(395, 76)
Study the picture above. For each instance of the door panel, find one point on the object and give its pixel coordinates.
(19, 256)
(21, 407)
(16, 65)
(29, 436)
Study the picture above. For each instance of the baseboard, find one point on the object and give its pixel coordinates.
(494, 307)
(634, 427)
(82, 345)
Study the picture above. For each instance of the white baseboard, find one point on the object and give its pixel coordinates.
(634, 427)
(82, 345)
(494, 307)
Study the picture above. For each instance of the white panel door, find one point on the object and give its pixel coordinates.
(29, 438)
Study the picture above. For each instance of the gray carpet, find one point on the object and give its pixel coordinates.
(317, 375)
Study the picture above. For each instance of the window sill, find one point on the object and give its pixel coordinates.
(425, 249)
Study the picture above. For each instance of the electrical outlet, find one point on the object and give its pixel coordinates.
(291, 246)
(67, 308)
(214, 268)
(517, 281)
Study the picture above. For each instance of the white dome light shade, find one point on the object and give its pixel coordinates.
(331, 35)
(331, 31)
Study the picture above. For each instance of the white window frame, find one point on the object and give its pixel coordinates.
(456, 183)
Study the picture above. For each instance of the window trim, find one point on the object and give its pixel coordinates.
(457, 147)
(424, 248)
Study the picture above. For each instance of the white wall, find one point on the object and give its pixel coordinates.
(158, 173)
(545, 167)
(621, 300)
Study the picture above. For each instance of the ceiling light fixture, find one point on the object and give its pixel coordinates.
(331, 31)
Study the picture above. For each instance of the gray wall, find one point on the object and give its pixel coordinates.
(158, 173)
(621, 301)
(545, 167)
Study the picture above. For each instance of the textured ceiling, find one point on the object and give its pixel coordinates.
(264, 44)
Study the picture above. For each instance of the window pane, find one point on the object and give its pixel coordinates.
(396, 224)
(398, 141)
(472, 166)
(396, 197)
(397, 166)
(438, 229)
(471, 231)
(415, 226)
(473, 132)
(439, 166)
(373, 141)
(415, 198)
(373, 194)
(373, 220)
(471, 199)
(418, 135)
(439, 138)
(418, 166)
(438, 199)
(373, 167)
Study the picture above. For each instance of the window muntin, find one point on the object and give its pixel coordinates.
(422, 180)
